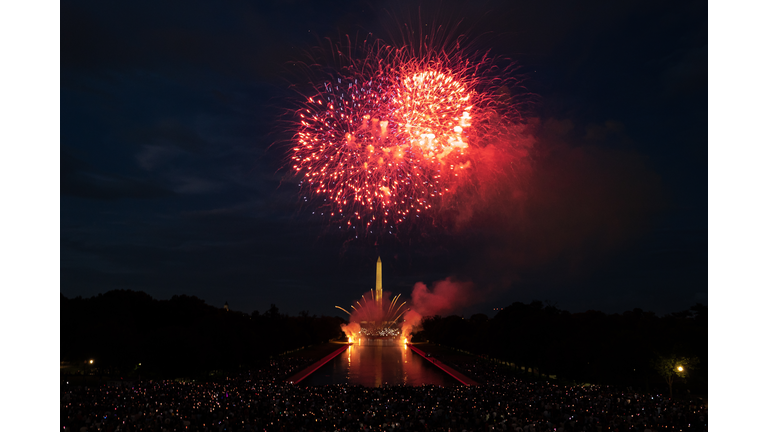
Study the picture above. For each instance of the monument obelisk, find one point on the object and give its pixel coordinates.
(378, 284)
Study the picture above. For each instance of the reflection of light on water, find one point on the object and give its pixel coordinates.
(377, 363)
(350, 349)
(404, 352)
(372, 366)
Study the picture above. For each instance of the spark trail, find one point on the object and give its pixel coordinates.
(389, 136)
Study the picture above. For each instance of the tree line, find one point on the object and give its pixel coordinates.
(594, 347)
(129, 333)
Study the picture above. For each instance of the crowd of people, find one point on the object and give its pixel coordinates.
(262, 400)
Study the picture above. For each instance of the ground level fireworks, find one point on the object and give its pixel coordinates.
(374, 317)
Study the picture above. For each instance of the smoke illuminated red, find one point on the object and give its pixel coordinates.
(372, 318)
(391, 318)
(389, 136)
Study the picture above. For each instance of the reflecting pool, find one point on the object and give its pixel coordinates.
(376, 365)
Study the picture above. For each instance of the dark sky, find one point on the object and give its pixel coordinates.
(172, 178)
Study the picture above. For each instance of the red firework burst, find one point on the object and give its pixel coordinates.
(390, 135)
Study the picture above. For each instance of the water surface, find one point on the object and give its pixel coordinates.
(374, 366)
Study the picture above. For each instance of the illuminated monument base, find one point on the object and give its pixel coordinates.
(380, 324)
(370, 334)
(375, 340)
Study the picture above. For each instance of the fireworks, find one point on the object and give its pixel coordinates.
(389, 135)
(375, 319)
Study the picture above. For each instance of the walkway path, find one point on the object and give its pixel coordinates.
(447, 369)
(315, 366)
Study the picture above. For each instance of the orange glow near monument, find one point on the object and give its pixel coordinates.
(378, 283)
(371, 322)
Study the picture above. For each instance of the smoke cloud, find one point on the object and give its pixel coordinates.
(350, 329)
(411, 321)
(557, 208)
(446, 296)
(365, 309)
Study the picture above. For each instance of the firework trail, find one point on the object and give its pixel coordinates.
(368, 311)
(392, 134)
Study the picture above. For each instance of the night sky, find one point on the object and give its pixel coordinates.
(173, 174)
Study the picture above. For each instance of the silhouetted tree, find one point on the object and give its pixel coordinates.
(182, 336)
(673, 367)
(588, 347)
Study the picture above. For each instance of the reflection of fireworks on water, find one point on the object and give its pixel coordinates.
(389, 134)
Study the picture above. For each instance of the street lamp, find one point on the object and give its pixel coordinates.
(680, 368)
(90, 361)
